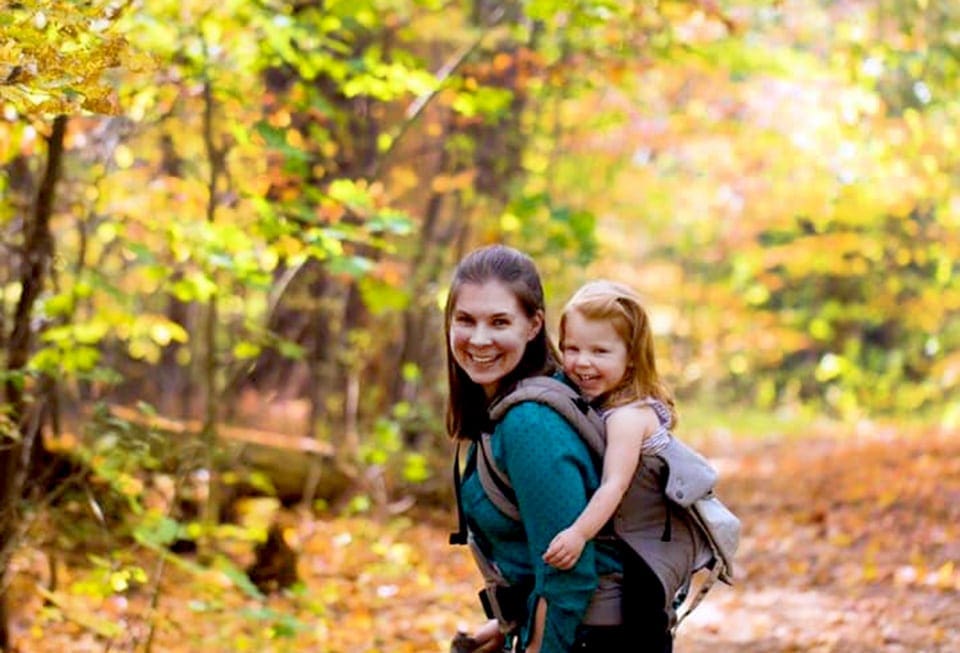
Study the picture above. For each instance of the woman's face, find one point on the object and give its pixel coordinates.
(489, 332)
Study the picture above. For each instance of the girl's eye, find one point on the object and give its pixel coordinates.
(501, 322)
(463, 319)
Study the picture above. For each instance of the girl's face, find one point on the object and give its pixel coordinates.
(594, 355)
(489, 332)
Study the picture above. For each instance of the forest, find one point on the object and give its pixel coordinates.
(226, 234)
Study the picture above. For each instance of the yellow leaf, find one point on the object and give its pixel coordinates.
(441, 184)
(870, 571)
(841, 539)
(123, 156)
(945, 576)
(799, 567)
(888, 497)
(509, 222)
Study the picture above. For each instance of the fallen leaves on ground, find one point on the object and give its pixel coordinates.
(851, 543)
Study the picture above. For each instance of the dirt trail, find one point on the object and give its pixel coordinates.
(850, 545)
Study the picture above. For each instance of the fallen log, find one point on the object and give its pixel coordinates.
(236, 433)
(288, 461)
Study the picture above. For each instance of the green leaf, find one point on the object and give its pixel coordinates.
(238, 577)
(355, 266)
(290, 349)
(157, 531)
(59, 305)
(81, 359)
(381, 297)
(391, 222)
(347, 191)
(46, 360)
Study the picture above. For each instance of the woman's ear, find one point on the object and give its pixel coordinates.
(536, 323)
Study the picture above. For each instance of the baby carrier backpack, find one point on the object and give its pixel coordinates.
(689, 481)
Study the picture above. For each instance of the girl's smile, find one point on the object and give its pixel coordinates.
(594, 355)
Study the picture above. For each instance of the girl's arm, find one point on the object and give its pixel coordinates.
(626, 429)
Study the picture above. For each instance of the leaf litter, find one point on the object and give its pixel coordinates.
(851, 544)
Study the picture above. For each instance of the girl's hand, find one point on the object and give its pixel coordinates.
(565, 549)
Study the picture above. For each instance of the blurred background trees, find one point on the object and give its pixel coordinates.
(244, 214)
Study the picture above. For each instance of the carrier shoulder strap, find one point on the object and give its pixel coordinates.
(495, 483)
(563, 399)
(551, 392)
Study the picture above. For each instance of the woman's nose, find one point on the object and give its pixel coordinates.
(480, 335)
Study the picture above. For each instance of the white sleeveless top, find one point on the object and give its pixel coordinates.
(656, 441)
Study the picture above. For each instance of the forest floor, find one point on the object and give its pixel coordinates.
(851, 544)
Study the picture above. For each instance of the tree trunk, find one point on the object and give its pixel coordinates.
(211, 508)
(3, 314)
(355, 317)
(174, 382)
(14, 452)
(423, 270)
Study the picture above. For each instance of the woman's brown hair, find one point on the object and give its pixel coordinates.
(467, 403)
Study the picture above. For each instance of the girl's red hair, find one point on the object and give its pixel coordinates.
(622, 307)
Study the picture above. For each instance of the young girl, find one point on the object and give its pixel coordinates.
(608, 352)
(607, 348)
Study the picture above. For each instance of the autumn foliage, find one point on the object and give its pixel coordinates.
(226, 229)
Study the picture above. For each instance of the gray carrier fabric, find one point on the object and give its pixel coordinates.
(661, 533)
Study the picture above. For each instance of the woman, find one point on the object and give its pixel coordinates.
(496, 336)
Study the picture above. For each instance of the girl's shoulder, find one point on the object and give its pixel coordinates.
(634, 415)
(650, 406)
